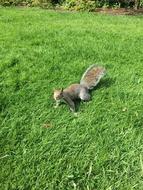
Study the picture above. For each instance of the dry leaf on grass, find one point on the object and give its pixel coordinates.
(46, 125)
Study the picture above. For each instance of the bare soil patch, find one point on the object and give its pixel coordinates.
(120, 11)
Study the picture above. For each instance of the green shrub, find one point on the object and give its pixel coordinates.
(89, 5)
(43, 3)
(15, 2)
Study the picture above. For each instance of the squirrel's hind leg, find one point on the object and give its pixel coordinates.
(84, 95)
(70, 102)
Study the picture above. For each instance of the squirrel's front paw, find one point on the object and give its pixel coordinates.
(76, 114)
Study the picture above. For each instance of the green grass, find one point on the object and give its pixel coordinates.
(102, 149)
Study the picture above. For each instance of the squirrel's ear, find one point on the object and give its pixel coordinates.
(62, 90)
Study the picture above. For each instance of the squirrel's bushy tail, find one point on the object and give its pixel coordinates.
(92, 76)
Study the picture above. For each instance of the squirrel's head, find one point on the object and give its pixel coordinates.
(58, 94)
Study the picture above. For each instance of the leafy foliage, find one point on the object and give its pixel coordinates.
(89, 5)
(92, 4)
(80, 4)
(43, 3)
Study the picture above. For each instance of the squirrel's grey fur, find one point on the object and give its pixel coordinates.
(88, 81)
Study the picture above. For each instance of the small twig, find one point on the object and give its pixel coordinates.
(90, 170)
(4, 156)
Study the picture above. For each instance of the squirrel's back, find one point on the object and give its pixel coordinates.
(92, 76)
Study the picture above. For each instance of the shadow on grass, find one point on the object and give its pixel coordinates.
(105, 83)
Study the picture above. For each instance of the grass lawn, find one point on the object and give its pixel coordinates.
(43, 148)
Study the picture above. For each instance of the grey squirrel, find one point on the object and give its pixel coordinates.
(88, 81)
